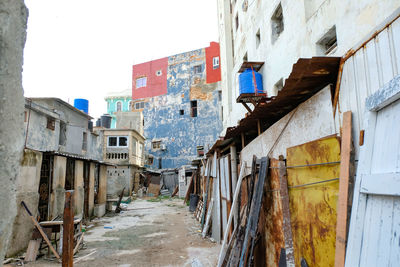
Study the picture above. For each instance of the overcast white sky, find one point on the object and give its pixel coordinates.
(86, 48)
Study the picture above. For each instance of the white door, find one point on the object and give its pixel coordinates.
(374, 236)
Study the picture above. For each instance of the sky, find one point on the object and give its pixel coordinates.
(86, 48)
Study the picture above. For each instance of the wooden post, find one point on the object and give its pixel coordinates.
(242, 136)
(341, 224)
(68, 234)
(258, 127)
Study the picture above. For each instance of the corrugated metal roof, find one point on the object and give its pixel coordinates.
(308, 76)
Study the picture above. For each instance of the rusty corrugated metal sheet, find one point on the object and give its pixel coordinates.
(313, 207)
(274, 238)
(309, 75)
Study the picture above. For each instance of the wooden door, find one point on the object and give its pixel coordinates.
(86, 172)
(374, 236)
(46, 173)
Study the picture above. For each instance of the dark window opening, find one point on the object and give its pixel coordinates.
(277, 23)
(328, 42)
(123, 141)
(160, 163)
(70, 174)
(156, 144)
(112, 141)
(181, 112)
(220, 96)
(51, 123)
(193, 108)
(150, 160)
(84, 141)
(197, 69)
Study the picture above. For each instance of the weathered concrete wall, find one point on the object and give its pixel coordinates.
(118, 178)
(79, 191)
(305, 23)
(27, 190)
(35, 126)
(57, 197)
(13, 19)
(313, 117)
(181, 134)
(130, 120)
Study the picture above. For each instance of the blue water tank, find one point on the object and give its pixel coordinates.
(82, 104)
(246, 82)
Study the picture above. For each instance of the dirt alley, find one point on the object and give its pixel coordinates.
(159, 233)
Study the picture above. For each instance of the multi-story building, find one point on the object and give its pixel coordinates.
(180, 100)
(123, 148)
(61, 153)
(118, 102)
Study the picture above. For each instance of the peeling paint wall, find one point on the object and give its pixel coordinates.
(180, 134)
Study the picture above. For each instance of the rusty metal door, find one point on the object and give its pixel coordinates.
(374, 235)
(46, 173)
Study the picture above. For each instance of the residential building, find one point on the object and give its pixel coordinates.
(180, 99)
(60, 153)
(118, 102)
(330, 73)
(124, 149)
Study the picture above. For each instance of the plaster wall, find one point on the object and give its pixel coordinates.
(313, 117)
(305, 23)
(27, 184)
(13, 20)
(118, 178)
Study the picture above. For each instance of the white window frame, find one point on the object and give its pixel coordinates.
(141, 82)
(118, 137)
(116, 106)
(215, 62)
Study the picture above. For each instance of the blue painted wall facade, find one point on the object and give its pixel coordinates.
(180, 134)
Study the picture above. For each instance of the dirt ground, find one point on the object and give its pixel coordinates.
(159, 233)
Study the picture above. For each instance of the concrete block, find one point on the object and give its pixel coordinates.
(100, 210)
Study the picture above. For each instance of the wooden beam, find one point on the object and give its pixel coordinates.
(68, 231)
(341, 224)
(247, 107)
(242, 136)
(258, 127)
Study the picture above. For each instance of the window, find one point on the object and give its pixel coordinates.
(141, 82)
(118, 106)
(328, 43)
(277, 23)
(150, 160)
(51, 123)
(117, 141)
(139, 105)
(197, 69)
(220, 96)
(193, 108)
(159, 72)
(156, 144)
(258, 38)
(215, 62)
(84, 141)
(181, 112)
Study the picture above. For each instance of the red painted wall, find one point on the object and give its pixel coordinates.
(156, 85)
(213, 75)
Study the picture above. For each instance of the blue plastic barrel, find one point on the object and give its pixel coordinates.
(246, 82)
(82, 104)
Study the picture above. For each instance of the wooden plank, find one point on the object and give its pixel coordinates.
(46, 239)
(381, 184)
(235, 204)
(224, 207)
(207, 224)
(216, 218)
(68, 234)
(234, 173)
(78, 243)
(341, 225)
(252, 222)
(32, 250)
(205, 199)
(287, 228)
